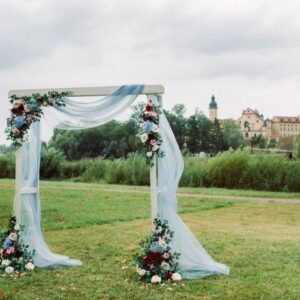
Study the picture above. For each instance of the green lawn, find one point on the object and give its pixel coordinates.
(102, 227)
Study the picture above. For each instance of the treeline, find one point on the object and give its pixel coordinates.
(115, 139)
(230, 169)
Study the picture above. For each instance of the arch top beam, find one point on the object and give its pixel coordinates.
(87, 91)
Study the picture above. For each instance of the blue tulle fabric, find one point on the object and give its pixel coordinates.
(194, 260)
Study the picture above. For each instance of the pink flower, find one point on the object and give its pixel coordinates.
(15, 131)
(166, 255)
(10, 250)
(152, 114)
(153, 142)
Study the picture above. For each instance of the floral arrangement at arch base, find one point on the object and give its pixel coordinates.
(156, 262)
(14, 256)
(27, 110)
(150, 131)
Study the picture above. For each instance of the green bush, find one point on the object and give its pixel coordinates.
(230, 169)
(51, 163)
(7, 166)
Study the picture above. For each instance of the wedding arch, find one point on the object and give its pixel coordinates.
(165, 173)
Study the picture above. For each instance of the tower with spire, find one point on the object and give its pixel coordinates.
(213, 109)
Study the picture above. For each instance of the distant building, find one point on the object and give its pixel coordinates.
(213, 109)
(252, 123)
(285, 126)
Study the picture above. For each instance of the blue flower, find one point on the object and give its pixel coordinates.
(19, 121)
(147, 126)
(155, 247)
(7, 243)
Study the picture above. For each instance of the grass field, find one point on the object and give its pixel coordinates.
(102, 225)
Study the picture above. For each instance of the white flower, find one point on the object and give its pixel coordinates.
(176, 277)
(27, 108)
(20, 258)
(166, 237)
(155, 128)
(162, 243)
(5, 262)
(9, 270)
(155, 279)
(13, 236)
(165, 265)
(17, 227)
(158, 229)
(155, 148)
(29, 266)
(17, 103)
(149, 154)
(144, 137)
(142, 272)
(18, 140)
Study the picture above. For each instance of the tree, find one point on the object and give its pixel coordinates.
(259, 141)
(232, 135)
(198, 133)
(296, 150)
(178, 123)
(217, 141)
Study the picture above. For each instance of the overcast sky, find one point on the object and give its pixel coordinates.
(245, 52)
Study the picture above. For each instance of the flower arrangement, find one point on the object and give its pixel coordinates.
(150, 131)
(156, 262)
(14, 256)
(26, 110)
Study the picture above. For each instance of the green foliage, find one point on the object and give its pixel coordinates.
(216, 138)
(178, 123)
(272, 143)
(232, 135)
(198, 133)
(258, 141)
(51, 163)
(7, 166)
(296, 150)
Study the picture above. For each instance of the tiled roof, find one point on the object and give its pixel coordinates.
(286, 119)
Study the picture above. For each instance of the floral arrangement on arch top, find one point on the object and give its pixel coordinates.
(27, 110)
(150, 131)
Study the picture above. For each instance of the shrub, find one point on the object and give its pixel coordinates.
(7, 166)
(51, 163)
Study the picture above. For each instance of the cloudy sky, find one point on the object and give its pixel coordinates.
(245, 52)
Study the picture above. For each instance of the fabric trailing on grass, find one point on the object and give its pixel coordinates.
(194, 261)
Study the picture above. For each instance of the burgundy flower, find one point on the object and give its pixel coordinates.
(169, 275)
(152, 258)
(148, 107)
(40, 101)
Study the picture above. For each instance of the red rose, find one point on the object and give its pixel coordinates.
(169, 275)
(152, 258)
(40, 101)
(1, 294)
(148, 107)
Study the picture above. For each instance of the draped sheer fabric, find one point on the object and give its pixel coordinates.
(194, 260)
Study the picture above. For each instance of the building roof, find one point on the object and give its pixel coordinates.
(286, 119)
(213, 104)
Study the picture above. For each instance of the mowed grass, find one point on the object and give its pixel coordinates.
(101, 225)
